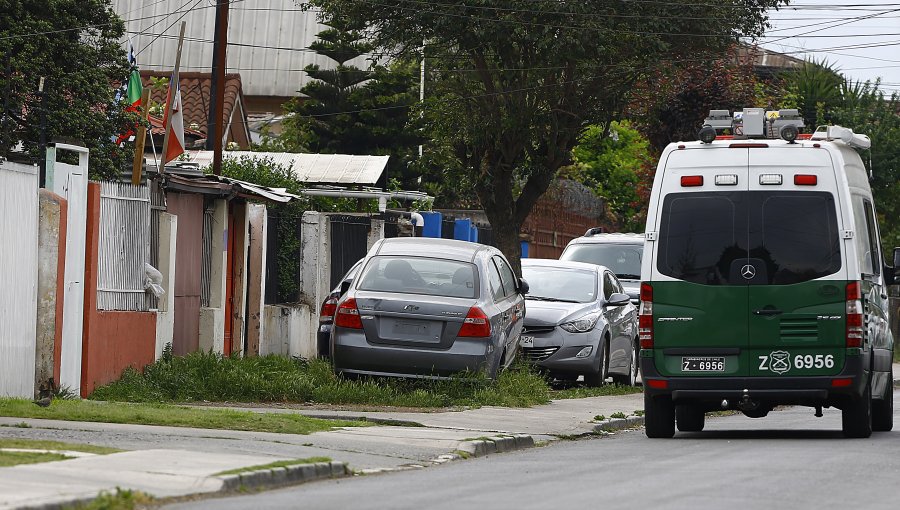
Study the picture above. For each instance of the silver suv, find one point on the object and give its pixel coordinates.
(621, 253)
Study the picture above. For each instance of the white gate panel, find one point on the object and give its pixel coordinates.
(18, 278)
(70, 181)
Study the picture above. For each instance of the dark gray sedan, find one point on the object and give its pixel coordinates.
(579, 321)
(423, 307)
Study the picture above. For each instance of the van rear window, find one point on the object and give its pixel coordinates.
(710, 237)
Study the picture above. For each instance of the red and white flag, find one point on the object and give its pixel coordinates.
(173, 107)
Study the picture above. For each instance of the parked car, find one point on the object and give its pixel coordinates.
(578, 321)
(326, 313)
(621, 253)
(423, 307)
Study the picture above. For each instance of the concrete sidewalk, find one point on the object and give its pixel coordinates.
(174, 461)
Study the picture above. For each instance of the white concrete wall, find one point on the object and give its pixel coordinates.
(286, 331)
(212, 319)
(165, 317)
(315, 273)
(18, 278)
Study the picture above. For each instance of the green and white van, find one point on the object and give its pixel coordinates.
(763, 282)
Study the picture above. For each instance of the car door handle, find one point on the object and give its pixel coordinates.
(768, 311)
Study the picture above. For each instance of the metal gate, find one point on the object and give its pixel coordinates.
(70, 181)
(124, 246)
(349, 243)
(18, 278)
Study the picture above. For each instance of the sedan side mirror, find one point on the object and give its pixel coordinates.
(618, 299)
(523, 286)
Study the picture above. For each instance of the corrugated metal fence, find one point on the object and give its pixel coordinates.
(124, 246)
(18, 278)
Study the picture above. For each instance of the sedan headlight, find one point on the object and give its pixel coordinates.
(582, 324)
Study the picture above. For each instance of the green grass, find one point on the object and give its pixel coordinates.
(121, 500)
(273, 465)
(15, 458)
(175, 416)
(600, 391)
(208, 377)
(36, 444)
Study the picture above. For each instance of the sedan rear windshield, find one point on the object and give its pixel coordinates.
(786, 237)
(420, 275)
(560, 284)
(622, 259)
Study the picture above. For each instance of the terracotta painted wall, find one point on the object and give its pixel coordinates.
(112, 340)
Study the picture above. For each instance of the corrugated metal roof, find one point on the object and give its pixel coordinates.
(268, 41)
(311, 168)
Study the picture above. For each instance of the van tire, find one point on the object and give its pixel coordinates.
(856, 417)
(659, 416)
(689, 418)
(883, 410)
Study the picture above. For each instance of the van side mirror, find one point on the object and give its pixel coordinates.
(523, 286)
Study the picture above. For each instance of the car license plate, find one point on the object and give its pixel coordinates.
(526, 341)
(703, 364)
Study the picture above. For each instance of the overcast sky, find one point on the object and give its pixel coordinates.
(860, 37)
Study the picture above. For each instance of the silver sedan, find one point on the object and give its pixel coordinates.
(579, 321)
(424, 307)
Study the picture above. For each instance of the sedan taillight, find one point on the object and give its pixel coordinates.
(476, 324)
(329, 307)
(347, 315)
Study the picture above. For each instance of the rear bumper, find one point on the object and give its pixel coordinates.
(352, 353)
(811, 391)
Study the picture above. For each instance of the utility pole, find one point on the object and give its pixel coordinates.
(214, 121)
(43, 137)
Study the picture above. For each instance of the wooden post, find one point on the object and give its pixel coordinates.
(141, 139)
(168, 112)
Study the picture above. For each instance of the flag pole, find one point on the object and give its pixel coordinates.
(168, 112)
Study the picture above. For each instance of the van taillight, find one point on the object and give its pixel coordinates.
(476, 324)
(347, 315)
(805, 180)
(691, 180)
(854, 334)
(645, 319)
(328, 309)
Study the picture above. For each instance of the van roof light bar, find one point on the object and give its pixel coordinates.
(756, 123)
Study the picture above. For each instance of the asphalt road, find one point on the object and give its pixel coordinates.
(789, 460)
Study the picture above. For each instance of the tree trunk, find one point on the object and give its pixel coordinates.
(506, 237)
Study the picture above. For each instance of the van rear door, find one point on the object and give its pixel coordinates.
(700, 295)
(797, 300)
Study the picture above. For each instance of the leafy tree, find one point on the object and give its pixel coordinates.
(813, 88)
(518, 80)
(615, 163)
(671, 104)
(349, 110)
(74, 45)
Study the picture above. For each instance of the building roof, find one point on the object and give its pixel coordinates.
(310, 168)
(195, 96)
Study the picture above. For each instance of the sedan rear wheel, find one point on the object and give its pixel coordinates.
(631, 378)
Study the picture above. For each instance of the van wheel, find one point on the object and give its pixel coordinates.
(595, 379)
(689, 418)
(659, 416)
(883, 410)
(856, 418)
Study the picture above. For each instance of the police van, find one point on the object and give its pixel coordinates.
(763, 282)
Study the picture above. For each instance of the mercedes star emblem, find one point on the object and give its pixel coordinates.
(748, 272)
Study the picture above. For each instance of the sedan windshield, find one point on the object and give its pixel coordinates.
(560, 284)
(420, 275)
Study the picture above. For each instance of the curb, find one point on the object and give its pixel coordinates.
(614, 424)
(289, 475)
(495, 444)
